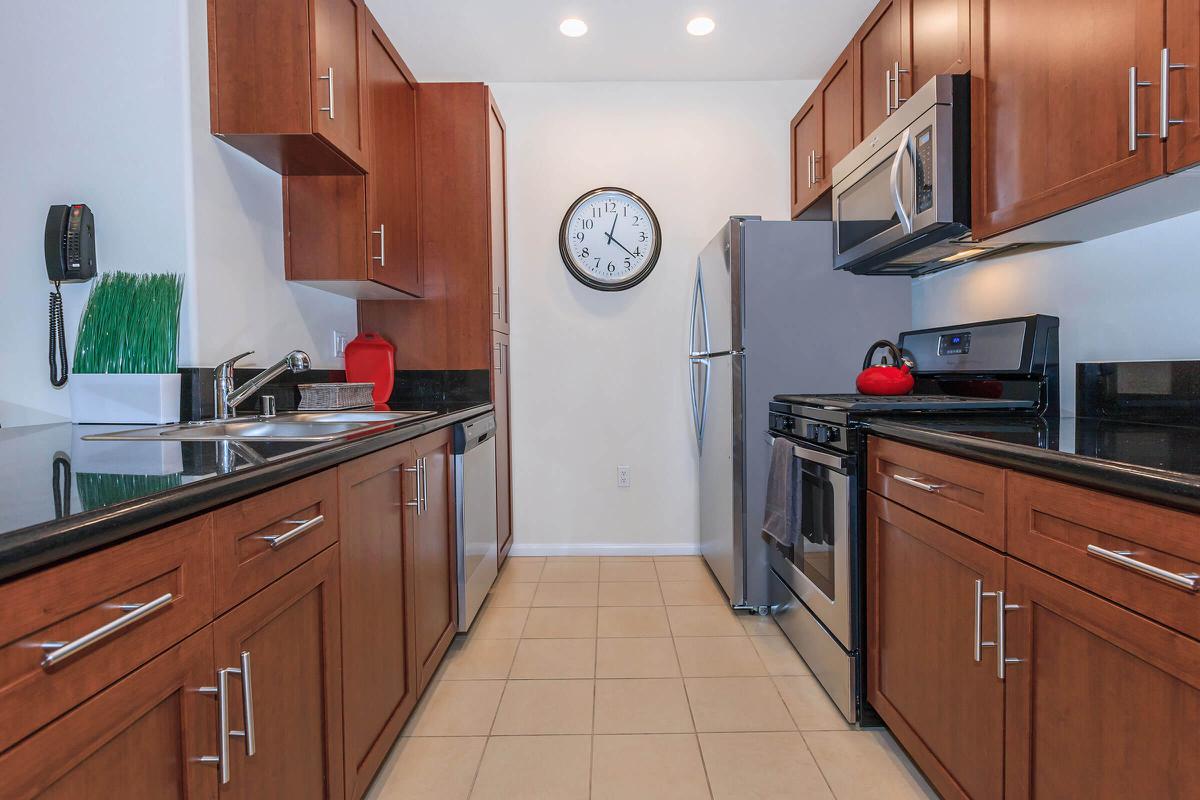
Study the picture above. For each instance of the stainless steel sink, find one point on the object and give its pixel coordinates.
(301, 426)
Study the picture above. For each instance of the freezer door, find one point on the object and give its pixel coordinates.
(720, 280)
(721, 528)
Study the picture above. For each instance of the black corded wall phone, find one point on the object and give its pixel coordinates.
(70, 258)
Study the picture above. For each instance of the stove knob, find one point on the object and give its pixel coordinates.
(822, 434)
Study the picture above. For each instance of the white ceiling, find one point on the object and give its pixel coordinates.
(627, 40)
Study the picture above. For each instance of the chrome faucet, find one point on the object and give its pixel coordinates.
(227, 398)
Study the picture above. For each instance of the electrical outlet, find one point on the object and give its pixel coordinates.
(623, 481)
(340, 340)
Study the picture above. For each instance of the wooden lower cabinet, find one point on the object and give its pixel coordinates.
(291, 635)
(1102, 702)
(141, 738)
(946, 708)
(435, 554)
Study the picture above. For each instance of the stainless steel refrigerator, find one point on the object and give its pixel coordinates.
(770, 315)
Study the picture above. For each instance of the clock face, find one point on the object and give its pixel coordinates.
(609, 239)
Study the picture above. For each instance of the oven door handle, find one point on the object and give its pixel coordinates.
(816, 456)
(906, 222)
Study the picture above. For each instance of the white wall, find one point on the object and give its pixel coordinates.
(1129, 296)
(107, 103)
(600, 379)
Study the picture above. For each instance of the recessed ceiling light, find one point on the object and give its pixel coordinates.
(701, 26)
(573, 28)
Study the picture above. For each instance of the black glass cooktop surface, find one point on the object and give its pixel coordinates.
(862, 403)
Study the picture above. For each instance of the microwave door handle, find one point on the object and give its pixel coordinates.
(897, 202)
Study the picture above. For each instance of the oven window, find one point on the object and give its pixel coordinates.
(865, 209)
(814, 551)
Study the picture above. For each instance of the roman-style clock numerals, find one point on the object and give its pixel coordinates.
(609, 239)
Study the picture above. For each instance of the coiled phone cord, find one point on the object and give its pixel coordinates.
(58, 337)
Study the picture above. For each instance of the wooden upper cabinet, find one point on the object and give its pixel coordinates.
(435, 553)
(806, 133)
(497, 215)
(838, 135)
(938, 40)
(1101, 702)
(878, 47)
(1050, 104)
(1183, 83)
(286, 82)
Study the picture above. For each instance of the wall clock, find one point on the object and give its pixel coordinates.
(610, 239)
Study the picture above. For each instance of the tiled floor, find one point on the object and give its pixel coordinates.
(629, 678)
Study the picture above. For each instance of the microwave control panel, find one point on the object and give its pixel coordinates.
(924, 161)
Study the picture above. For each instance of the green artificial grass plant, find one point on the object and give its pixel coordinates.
(130, 325)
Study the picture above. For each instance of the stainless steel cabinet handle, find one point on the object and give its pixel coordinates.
(422, 487)
(1002, 659)
(932, 488)
(328, 76)
(382, 257)
(303, 526)
(1134, 85)
(1187, 581)
(807, 173)
(815, 159)
(416, 471)
(979, 643)
(1164, 112)
(221, 690)
(247, 704)
(496, 305)
(60, 651)
(897, 72)
(503, 302)
(887, 92)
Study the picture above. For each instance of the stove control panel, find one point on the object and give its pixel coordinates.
(821, 434)
(954, 344)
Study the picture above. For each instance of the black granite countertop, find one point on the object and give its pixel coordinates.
(61, 495)
(1156, 462)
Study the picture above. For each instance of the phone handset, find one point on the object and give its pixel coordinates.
(70, 258)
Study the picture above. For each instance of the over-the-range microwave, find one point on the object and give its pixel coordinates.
(902, 198)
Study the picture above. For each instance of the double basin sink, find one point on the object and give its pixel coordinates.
(297, 426)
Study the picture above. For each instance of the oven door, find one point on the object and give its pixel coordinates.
(817, 564)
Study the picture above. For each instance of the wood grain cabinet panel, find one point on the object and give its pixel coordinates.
(1101, 702)
(63, 603)
(960, 494)
(878, 47)
(265, 536)
(500, 402)
(291, 635)
(1183, 84)
(435, 554)
(141, 738)
(938, 40)
(806, 141)
(946, 708)
(497, 214)
(838, 135)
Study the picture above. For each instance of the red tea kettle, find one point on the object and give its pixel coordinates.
(885, 378)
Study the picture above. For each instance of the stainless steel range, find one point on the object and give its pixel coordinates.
(817, 569)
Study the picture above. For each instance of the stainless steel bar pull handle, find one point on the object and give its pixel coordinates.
(815, 159)
(221, 690)
(382, 257)
(496, 305)
(1122, 558)
(1002, 659)
(247, 703)
(328, 76)
(303, 526)
(422, 487)
(932, 488)
(416, 472)
(887, 92)
(897, 72)
(60, 651)
(1134, 85)
(979, 643)
(1164, 112)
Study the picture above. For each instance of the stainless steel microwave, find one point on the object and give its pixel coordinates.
(902, 198)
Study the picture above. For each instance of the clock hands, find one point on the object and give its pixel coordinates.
(611, 240)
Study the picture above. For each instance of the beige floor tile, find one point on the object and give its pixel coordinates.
(761, 766)
(428, 769)
(679, 560)
(627, 571)
(625, 559)
(521, 570)
(730, 705)
(456, 708)
(560, 623)
(573, 559)
(703, 621)
(636, 658)
(499, 622)
(557, 571)
(554, 658)
(545, 707)
(479, 659)
(622, 621)
(534, 768)
(564, 594)
(866, 765)
(691, 570)
(778, 655)
(718, 657)
(643, 705)
(659, 766)
(758, 625)
(630, 593)
(692, 593)
(809, 705)
(512, 595)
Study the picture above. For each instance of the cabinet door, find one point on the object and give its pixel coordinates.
(290, 633)
(337, 75)
(806, 143)
(435, 554)
(1101, 702)
(140, 738)
(837, 118)
(500, 397)
(945, 707)
(1050, 105)
(1183, 83)
(938, 41)
(879, 46)
(378, 658)
(392, 181)
(498, 216)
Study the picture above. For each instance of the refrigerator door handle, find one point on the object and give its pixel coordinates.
(693, 362)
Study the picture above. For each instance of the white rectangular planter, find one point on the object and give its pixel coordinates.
(124, 399)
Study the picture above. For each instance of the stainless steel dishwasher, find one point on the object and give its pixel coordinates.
(475, 507)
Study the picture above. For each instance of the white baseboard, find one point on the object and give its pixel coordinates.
(598, 549)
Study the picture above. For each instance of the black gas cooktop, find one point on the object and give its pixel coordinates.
(869, 404)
